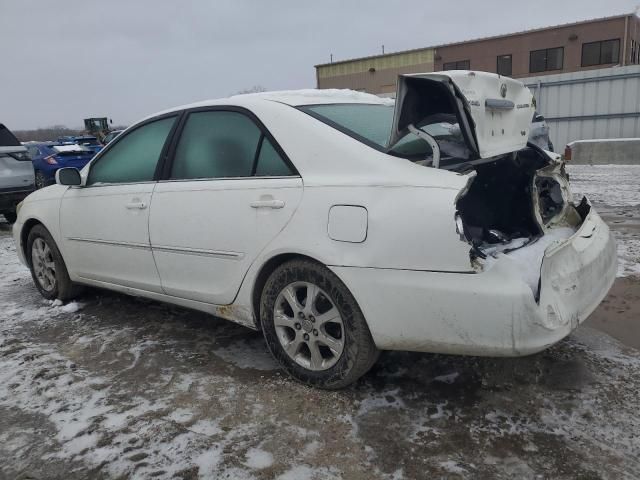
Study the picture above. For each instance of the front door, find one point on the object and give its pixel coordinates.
(229, 192)
(105, 224)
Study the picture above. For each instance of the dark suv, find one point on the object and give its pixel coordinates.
(16, 173)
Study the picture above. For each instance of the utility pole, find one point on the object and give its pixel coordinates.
(383, 49)
(331, 58)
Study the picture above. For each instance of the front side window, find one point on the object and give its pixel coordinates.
(134, 157)
(504, 65)
(600, 53)
(224, 144)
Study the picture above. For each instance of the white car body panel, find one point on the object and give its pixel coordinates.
(491, 313)
(106, 234)
(201, 244)
(227, 230)
(498, 109)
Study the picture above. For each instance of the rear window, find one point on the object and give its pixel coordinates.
(371, 124)
(7, 139)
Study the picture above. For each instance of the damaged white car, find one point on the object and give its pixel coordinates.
(336, 222)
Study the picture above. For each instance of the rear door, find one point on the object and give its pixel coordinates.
(105, 224)
(228, 192)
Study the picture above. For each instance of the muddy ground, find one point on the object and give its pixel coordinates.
(118, 387)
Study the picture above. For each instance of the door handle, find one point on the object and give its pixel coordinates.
(267, 204)
(136, 205)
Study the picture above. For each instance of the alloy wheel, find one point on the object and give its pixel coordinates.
(40, 180)
(309, 326)
(44, 265)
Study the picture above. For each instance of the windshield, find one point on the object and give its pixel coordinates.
(371, 124)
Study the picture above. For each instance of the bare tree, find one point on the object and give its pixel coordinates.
(46, 133)
(254, 89)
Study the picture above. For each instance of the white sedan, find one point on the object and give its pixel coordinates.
(338, 223)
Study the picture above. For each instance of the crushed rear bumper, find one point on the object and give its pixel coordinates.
(493, 313)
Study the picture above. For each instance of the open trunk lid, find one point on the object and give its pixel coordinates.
(493, 112)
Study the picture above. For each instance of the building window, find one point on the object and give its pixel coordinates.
(546, 59)
(504, 65)
(600, 53)
(635, 52)
(459, 65)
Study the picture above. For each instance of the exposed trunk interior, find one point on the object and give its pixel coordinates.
(499, 203)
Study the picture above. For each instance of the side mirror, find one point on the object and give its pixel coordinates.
(68, 176)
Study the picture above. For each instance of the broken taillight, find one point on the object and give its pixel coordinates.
(51, 160)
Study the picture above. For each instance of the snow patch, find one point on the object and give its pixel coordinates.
(258, 459)
(528, 259)
(450, 378)
(452, 466)
(305, 472)
(612, 185)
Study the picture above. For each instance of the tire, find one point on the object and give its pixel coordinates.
(332, 326)
(41, 182)
(48, 269)
(10, 217)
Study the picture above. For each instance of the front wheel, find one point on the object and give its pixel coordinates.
(48, 269)
(314, 327)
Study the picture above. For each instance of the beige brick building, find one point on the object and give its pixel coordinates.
(586, 45)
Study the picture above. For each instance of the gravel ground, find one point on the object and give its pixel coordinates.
(116, 387)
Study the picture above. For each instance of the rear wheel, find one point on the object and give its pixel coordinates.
(41, 182)
(48, 269)
(314, 327)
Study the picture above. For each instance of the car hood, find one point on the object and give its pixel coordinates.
(494, 112)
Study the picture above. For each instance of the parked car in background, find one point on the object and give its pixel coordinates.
(88, 141)
(336, 223)
(16, 173)
(48, 157)
(111, 136)
(539, 134)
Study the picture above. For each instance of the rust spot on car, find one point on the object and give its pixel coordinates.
(235, 313)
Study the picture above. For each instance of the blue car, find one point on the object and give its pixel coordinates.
(47, 158)
(88, 141)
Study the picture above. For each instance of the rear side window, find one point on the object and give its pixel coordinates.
(270, 163)
(134, 157)
(224, 144)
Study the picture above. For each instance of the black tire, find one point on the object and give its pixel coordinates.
(359, 352)
(10, 217)
(41, 182)
(64, 289)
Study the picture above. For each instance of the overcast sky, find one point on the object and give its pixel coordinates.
(64, 60)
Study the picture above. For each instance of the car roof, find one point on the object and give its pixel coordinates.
(294, 98)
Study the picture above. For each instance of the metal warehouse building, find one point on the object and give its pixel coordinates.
(575, 47)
